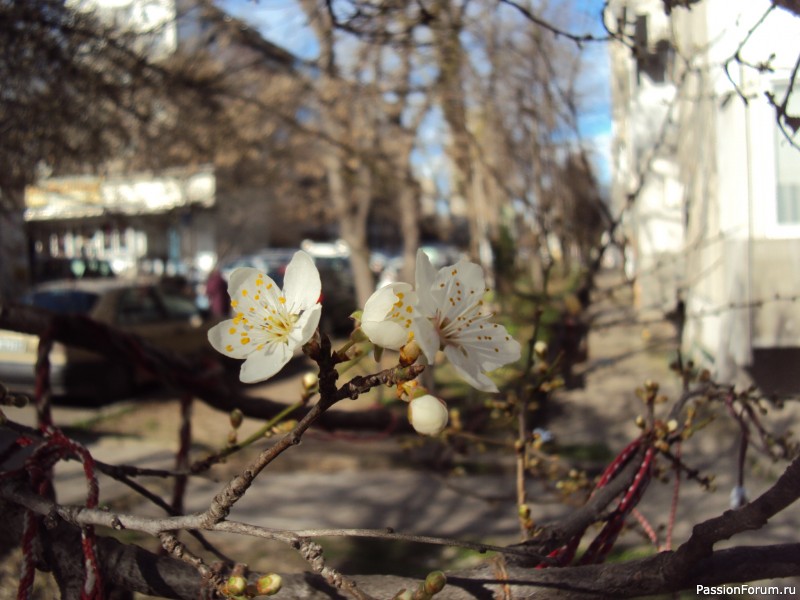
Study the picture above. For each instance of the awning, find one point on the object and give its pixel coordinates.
(138, 194)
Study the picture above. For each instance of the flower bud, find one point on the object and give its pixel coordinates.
(310, 380)
(435, 582)
(540, 349)
(235, 586)
(236, 418)
(409, 353)
(428, 415)
(269, 585)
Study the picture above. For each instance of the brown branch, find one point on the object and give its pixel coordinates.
(793, 6)
(579, 39)
(133, 568)
(203, 381)
(750, 517)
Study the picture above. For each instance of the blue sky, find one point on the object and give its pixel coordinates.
(284, 23)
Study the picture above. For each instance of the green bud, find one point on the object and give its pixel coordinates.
(269, 585)
(236, 418)
(435, 582)
(403, 595)
(235, 586)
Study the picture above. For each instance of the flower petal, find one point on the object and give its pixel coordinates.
(305, 326)
(427, 338)
(265, 363)
(469, 370)
(386, 334)
(458, 288)
(240, 277)
(424, 276)
(490, 346)
(226, 338)
(301, 284)
(250, 290)
(381, 302)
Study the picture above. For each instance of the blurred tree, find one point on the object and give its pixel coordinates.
(77, 91)
(506, 93)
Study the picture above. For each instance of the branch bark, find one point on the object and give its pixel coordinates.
(203, 381)
(138, 570)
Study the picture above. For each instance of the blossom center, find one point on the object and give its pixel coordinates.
(266, 324)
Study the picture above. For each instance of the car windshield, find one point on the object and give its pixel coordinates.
(62, 301)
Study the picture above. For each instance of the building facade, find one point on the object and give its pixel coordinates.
(711, 178)
(165, 221)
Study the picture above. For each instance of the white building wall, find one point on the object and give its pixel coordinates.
(723, 155)
(154, 20)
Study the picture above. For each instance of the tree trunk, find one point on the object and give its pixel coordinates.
(352, 209)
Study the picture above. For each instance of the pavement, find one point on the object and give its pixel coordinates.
(330, 482)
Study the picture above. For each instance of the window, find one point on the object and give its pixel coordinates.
(787, 164)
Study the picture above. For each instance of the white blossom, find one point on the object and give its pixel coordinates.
(269, 323)
(428, 415)
(453, 319)
(389, 314)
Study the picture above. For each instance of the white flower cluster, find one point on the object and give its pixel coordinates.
(444, 311)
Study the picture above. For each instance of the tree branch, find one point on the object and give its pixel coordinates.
(204, 381)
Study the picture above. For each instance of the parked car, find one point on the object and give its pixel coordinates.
(338, 284)
(338, 294)
(166, 320)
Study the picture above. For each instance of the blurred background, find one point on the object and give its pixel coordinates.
(626, 172)
(169, 141)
